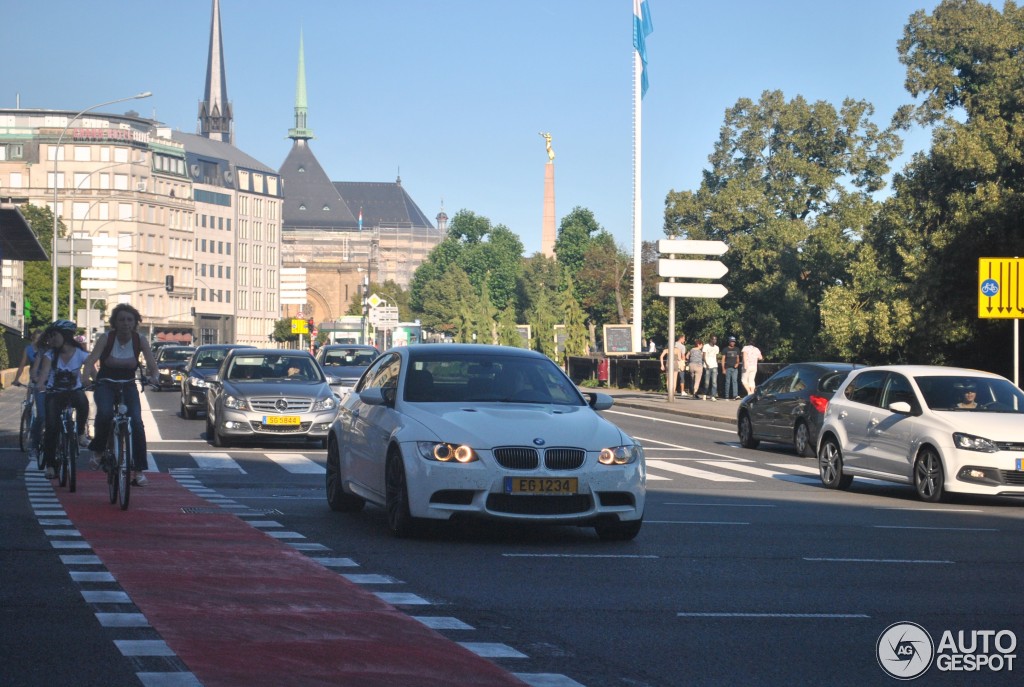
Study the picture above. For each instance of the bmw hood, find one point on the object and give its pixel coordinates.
(488, 425)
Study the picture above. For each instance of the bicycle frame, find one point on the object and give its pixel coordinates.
(119, 455)
(66, 445)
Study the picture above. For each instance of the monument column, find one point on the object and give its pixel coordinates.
(547, 234)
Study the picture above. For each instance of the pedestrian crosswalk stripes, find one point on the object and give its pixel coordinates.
(658, 469)
(297, 463)
(692, 472)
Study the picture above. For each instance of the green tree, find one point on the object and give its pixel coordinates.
(962, 199)
(576, 339)
(508, 334)
(485, 319)
(283, 331)
(574, 235)
(482, 252)
(790, 189)
(39, 275)
(538, 288)
(603, 282)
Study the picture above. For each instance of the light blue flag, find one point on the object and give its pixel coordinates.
(642, 27)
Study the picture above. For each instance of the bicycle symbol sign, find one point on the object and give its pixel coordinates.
(1000, 288)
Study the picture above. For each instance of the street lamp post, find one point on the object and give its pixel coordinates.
(71, 237)
(56, 158)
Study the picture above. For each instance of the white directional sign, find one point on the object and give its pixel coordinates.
(687, 247)
(690, 290)
(384, 316)
(691, 269)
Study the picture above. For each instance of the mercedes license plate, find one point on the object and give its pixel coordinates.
(541, 485)
(280, 419)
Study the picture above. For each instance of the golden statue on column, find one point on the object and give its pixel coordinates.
(547, 145)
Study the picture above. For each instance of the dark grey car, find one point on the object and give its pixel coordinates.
(789, 406)
(346, 363)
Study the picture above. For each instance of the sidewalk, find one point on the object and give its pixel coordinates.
(720, 410)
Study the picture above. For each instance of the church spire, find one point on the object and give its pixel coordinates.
(300, 132)
(215, 111)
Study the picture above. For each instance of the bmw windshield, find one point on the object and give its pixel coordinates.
(488, 379)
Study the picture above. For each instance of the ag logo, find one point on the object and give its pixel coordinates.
(905, 650)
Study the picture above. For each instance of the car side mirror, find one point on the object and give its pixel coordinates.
(213, 379)
(599, 401)
(901, 407)
(378, 396)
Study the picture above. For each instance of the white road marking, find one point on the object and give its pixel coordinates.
(876, 560)
(693, 472)
(216, 461)
(297, 463)
(670, 422)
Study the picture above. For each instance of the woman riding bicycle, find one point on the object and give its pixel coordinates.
(61, 367)
(30, 358)
(117, 352)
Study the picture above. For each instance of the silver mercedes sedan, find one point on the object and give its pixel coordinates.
(269, 395)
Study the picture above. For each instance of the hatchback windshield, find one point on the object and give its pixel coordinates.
(176, 355)
(512, 379)
(971, 394)
(349, 357)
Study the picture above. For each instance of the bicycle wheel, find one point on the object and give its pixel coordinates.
(124, 467)
(62, 458)
(72, 467)
(111, 465)
(25, 433)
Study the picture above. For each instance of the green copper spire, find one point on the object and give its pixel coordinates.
(300, 132)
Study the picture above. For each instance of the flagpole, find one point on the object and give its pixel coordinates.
(637, 210)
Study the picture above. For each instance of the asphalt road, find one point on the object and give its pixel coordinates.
(747, 571)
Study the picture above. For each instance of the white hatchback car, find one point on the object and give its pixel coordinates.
(437, 431)
(942, 429)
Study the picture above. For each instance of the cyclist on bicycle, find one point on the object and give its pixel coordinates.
(30, 357)
(117, 352)
(61, 367)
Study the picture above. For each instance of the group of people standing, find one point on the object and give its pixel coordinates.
(59, 369)
(701, 364)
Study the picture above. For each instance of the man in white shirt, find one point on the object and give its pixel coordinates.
(750, 355)
(711, 368)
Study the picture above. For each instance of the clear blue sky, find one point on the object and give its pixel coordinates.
(452, 93)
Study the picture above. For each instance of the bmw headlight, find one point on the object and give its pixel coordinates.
(235, 403)
(198, 382)
(969, 442)
(326, 403)
(621, 455)
(444, 452)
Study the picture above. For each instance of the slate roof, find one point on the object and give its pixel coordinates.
(313, 201)
(218, 150)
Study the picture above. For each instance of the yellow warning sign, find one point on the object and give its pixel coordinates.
(1001, 288)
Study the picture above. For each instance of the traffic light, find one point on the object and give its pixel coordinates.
(309, 324)
(169, 283)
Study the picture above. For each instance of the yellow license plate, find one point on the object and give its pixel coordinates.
(541, 485)
(281, 419)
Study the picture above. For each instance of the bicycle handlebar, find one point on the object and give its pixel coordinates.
(134, 380)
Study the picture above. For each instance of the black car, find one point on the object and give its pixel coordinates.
(346, 362)
(789, 406)
(170, 361)
(205, 361)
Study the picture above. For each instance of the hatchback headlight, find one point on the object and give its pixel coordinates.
(198, 382)
(236, 403)
(444, 452)
(621, 455)
(969, 442)
(327, 403)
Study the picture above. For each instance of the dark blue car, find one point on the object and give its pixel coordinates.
(204, 362)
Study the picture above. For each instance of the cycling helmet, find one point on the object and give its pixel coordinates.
(64, 324)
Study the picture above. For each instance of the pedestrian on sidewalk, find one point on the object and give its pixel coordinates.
(695, 360)
(731, 369)
(711, 368)
(678, 351)
(750, 354)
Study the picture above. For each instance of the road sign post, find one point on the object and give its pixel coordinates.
(1001, 296)
(673, 269)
